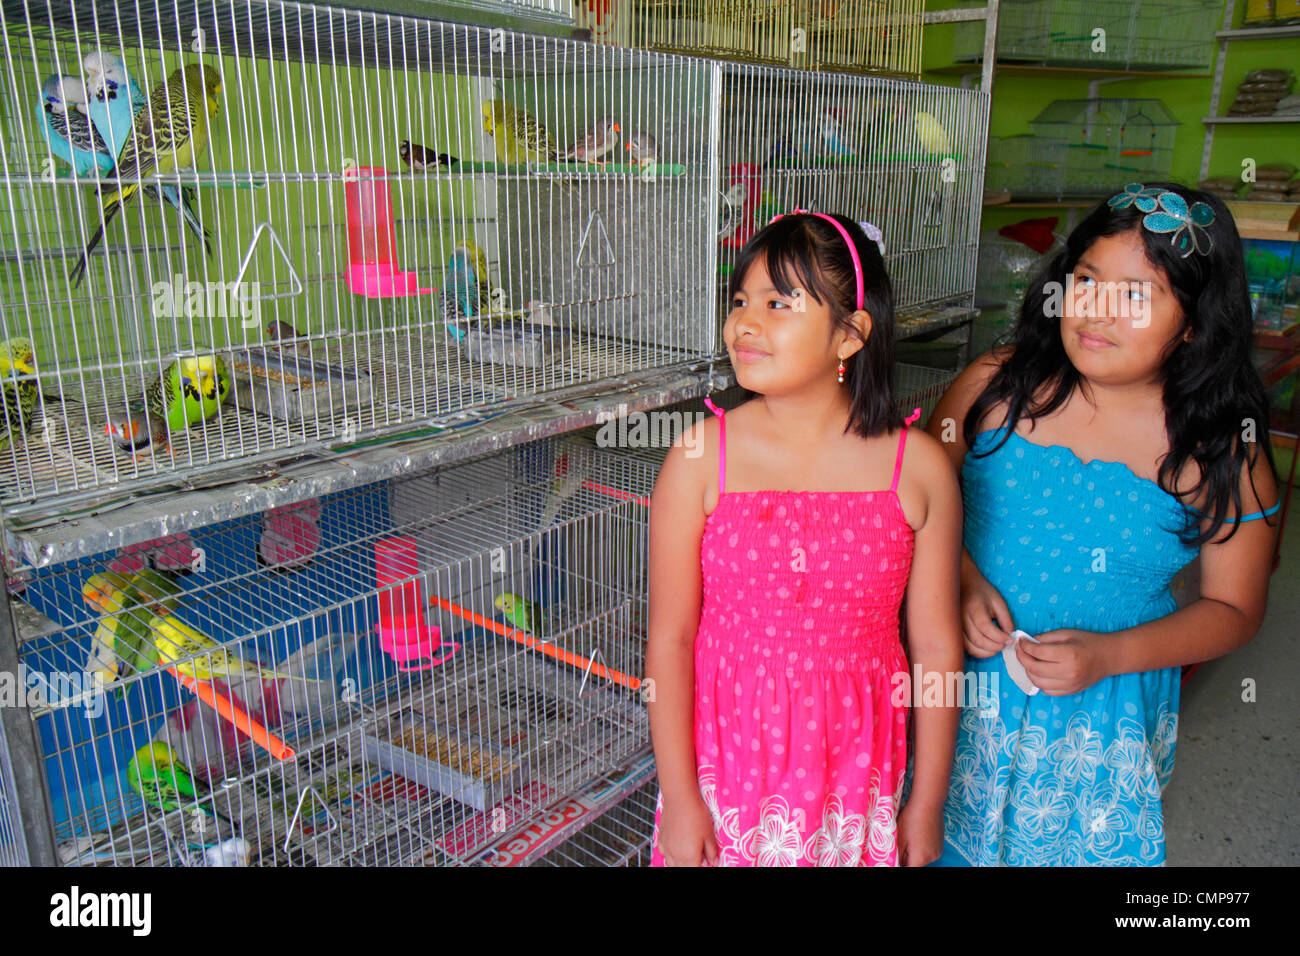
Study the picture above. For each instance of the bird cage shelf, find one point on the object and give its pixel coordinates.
(1107, 142)
(1135, 34)
(398, 755)
(874, 36)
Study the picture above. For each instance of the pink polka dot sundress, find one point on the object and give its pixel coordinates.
(800, 747)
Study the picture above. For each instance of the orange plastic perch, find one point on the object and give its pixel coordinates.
(232, 712)
(526, 639)
(616, 493)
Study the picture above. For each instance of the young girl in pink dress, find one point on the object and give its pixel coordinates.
(779, 556)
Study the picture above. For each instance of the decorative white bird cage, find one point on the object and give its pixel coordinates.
(1123, 34)
(1108, 142)
(871, 36)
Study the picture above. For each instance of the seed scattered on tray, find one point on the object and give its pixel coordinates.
(456, 755)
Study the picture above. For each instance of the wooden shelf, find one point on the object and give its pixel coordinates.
(1218, 120)
(1046, 70)
(1259, 33)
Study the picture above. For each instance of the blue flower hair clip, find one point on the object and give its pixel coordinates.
(1168, 212)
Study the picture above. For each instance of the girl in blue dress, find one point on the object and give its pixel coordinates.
(1123, 432)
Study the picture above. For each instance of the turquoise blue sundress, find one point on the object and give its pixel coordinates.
(1074, 780)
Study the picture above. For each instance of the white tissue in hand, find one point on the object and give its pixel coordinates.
(1016, 670)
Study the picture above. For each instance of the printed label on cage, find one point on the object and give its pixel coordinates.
(478, 830)
(517, 850)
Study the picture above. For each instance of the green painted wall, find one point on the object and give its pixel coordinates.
(1018, 97)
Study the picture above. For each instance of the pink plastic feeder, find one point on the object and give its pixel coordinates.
(372, 242)
(403, 633)
(751, 175)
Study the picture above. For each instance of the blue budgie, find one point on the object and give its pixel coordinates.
(68, 130)
(114, 99)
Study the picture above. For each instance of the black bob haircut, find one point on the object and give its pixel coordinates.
(1211, 387)
(804, 251)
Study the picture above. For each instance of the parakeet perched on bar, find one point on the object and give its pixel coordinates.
(190, 391)
(123, 644)
(642, 149)
(18, 391)
(156, 773)
(421, 158)
(168, 134)
(175, 641)
(934, 139)
(114, 99)
(517, 136)
(599, 142)
(521, 613)
(67, 128)
(831, 133)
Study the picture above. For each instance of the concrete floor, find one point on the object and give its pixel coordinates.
(1234, 799)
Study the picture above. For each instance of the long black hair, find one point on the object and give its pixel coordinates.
(805, 251)
(1210, 386)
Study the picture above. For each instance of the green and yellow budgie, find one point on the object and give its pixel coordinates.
(123, 643)
(520, 612)
(517, 135)
(168, 134)
(174, 640)
(190, 391)
(164, 782)
(18, 391)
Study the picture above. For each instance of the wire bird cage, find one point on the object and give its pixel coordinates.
(872, 36)
(347, 295)
(1093, 147)
(1027, 166)
(907, 157)
(429, 721)
(1124, 34)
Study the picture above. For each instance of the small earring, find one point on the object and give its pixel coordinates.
(839, 372)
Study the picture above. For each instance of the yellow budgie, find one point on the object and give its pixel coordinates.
(517, 135)
(176, 640)
(168, 134)
(933, 137)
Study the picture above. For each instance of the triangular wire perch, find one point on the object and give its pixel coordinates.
(595, 234)
(295, 282)
(297, 812)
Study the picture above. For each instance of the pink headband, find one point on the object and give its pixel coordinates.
(853, 251)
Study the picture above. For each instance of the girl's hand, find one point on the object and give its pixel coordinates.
(985, 617)
(1064, 661)
(686, 834)
(920, 834)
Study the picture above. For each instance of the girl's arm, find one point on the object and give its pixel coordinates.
(1234, 594)
(934, 638)
(985, 616)
(676, 528)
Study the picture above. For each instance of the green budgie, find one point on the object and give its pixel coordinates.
(17, 361)
(164, 782)
(191, 390)
(519, 612)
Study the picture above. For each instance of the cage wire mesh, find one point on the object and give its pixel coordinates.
(907, 157)
(371, 295)
(875, 36)
(458, 651)
(1135, 34)
(620, 837)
